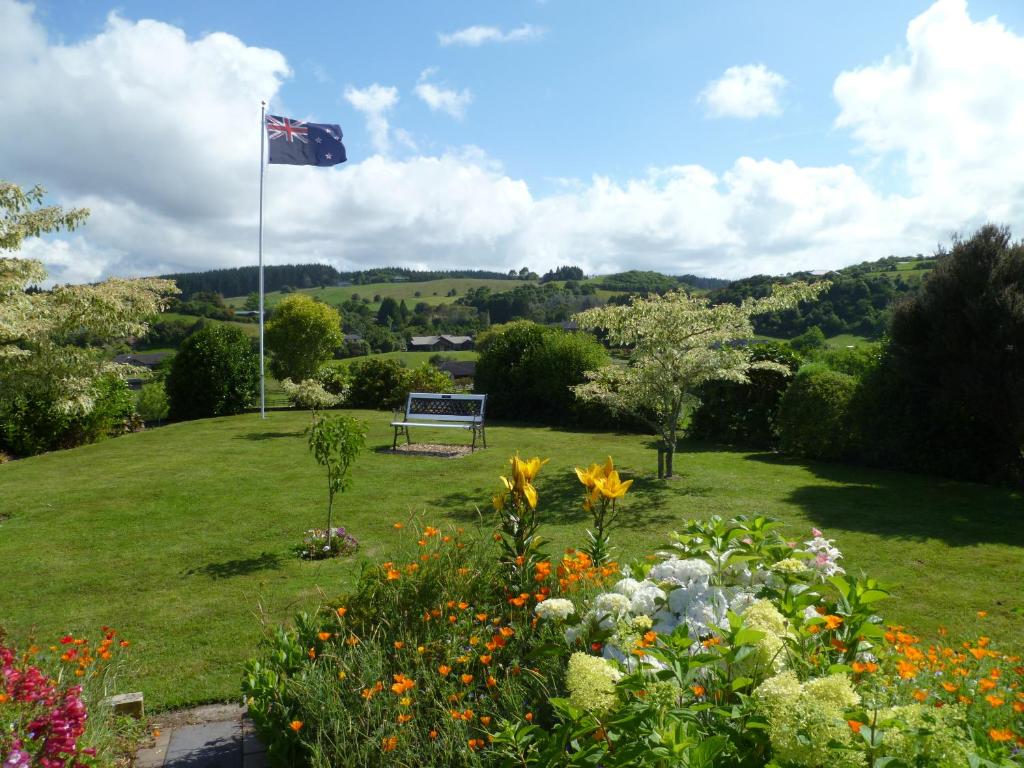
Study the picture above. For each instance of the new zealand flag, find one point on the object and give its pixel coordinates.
(297, 143)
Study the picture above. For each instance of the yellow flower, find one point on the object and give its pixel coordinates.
(613, 488)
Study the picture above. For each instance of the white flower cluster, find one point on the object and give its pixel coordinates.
(555, 608)
(675, 592)
(824, 555)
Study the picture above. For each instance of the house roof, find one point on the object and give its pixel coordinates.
(147, 359)
(429, 341)
(459, 369)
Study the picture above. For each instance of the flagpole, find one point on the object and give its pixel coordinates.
(263, 387)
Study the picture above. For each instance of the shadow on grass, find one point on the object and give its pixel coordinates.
(266, 561)
(906, 506)
(269, 435)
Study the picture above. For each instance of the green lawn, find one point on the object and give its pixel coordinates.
(180, 537)
(251, 329)
(411, 359)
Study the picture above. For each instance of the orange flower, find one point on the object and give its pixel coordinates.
(463, 606)
(311, 653)
(342, 610)
(430, 531)
(295, 725)
(985, 684)
(833, 622)
(1000, 734)
(711, 641)
(920, 695)
(398, 526)
(995, 701)
(402, 684)
(433, 733)
(399, 644)
(854, 725)
(444, 669)
(403, 719)
(485, 659)
(466, 679)
(491, 682)
(529, 717)
(324, 635)
(905, 669)
(949, 687)
(476, 743)
(485, 719)
(860, 667)
(982, 614)
(351, 640)
(394, 575)
(1018, 707)
(698, 690)
(389, 743)
(481, 617)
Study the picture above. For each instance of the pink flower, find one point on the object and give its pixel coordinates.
(816, 533)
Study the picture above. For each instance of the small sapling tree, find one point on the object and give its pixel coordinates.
(335, 441)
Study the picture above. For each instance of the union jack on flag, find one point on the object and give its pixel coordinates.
(295, 142)
(289, 129)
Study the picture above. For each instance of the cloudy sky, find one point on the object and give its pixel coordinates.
(722, 139)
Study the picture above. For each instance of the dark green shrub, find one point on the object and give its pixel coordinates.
(526, 370)
(34, 422)
(814, 419)
(335, 379)
(377, 383)
(808, 341)
(745, 413)
(856, 362)
(215, 373)
(957, 353)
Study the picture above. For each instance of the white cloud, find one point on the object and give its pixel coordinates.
(439, 98)
(949, 111)
(158, 135)
(478, 35)
(745, 92)
(375, 102)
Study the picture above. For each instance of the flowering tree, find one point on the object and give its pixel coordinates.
(677, 342)
(49, 340)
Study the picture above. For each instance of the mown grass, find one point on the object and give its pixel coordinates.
(181, 537)
(410, 359)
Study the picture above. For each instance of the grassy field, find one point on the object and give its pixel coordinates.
(180, 537)
(251, 329)
(411, 359)
(433, 292)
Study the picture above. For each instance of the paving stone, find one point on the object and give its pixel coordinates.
(257, 760)
(153, 757)
(209, 745)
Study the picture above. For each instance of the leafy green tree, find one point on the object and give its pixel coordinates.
(252, 302)
(377, 383)
(215, 373)
(57, 387)
(952, 384)
(151, 402)
(335, 443)
(527, 371)
(809, 341)
(677, 343)
(302, 335)
(389, 315)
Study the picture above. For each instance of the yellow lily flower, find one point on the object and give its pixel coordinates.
(612, 488)
(586, 477)
(609, 467)
(498, 500)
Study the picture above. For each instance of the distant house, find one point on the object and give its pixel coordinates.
(459, 369)
(442, 343)
(247, 313)
(148, 360)
(351, 337)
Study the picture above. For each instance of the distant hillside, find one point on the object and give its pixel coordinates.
(240, 281)
(859, 301)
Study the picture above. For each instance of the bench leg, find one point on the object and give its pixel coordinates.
(394, 443)
(483, 434)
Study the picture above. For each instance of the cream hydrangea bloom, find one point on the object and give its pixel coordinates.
(591, 682)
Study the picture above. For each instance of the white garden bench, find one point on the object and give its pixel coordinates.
(426, 409)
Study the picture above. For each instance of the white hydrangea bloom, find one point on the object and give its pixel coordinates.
(626, 587)
(555, 608)
(680, 572)
(646, 599)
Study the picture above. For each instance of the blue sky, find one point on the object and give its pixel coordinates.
(575, 133)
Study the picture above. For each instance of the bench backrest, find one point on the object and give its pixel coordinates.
(438, 407)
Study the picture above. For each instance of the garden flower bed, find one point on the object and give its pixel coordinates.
(732, 645)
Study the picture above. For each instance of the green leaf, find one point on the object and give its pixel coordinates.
(872, 596)
(741, 682)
